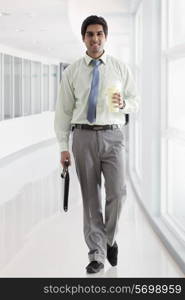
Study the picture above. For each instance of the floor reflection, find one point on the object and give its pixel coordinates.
(56, 247)
(31, 193)
(34, 203)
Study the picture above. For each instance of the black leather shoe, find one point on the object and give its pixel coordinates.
(94, 267)
(112, 254)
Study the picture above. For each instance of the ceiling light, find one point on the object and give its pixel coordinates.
(19, 29)
(43, 29)
(4, 13)
(31, 15)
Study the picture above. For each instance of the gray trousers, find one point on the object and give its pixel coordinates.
(96, 153)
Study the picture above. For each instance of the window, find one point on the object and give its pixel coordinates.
(176, 93)
(176, 180)
(23, 84)
(8, 91)
(45, 87)
(173, 114)
(138, 77)
(176, 22)
(36, 87)
(26, 87)
(54, 86)
(17, 87)
(1, 88)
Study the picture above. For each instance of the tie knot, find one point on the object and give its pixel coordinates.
(96, 62)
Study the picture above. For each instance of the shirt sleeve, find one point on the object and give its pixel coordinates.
(64, 112)
(130, 93)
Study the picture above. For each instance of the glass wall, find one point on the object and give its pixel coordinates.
(176, 93)
(1, 90)
(54, 83)
(17, 87)
(176, 22)
(45, 87)
(176, 181)
(36, 87)
(8, 87)
(26, 87)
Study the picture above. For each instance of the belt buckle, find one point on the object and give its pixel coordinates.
(98, 128)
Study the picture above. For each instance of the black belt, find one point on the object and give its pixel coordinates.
(95, 127)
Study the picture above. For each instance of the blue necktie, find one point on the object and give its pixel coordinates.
(92, 100)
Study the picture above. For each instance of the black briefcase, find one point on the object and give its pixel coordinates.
(66, 178)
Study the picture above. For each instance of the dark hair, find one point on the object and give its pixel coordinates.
(94, 20)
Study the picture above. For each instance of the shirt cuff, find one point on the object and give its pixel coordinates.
(63, 147)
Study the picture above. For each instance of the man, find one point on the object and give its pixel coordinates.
(87, 87)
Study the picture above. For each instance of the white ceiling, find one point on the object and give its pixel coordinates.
(51, 28)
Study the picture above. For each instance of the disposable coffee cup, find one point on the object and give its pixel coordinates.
(116, 88)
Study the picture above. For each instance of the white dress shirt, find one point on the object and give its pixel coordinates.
(72, 102)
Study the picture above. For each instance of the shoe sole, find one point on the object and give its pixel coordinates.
(112, 264)
(93, 271)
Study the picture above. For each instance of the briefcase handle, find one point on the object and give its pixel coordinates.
(65, 169)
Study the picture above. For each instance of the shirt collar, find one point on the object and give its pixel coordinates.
(88, 59)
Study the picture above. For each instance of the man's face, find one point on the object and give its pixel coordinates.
(94, 40)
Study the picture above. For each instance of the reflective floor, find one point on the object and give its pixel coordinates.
(56, 248)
